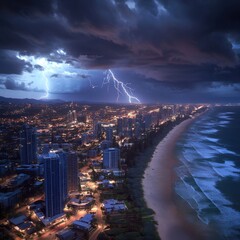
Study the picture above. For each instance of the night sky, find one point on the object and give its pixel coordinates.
(162, 50)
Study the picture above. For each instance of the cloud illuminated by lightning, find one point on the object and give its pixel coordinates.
(42, 62)
(120, 87)
(57, 65)
(46, 86)
(48, 67)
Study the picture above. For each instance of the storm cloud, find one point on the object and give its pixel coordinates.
(178, 43)
(13, 85)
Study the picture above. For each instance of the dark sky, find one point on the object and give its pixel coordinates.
(160, 50)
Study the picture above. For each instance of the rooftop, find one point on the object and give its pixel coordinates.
(18, 220)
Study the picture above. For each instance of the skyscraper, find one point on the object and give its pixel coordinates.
(111, 158)
(72, 171)
(55, 184)
(97, 129)
(119, 126)
(72, 116)
(28, 145)
(109, 134)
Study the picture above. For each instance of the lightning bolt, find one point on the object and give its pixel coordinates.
(48, 66)
(91, 84)
(46, 86)
(120, 87)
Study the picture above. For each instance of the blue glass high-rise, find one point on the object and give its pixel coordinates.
(28, 145)
(111, 158)
(55, 173)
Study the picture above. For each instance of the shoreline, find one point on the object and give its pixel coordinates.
(135, 176)
(159, 195)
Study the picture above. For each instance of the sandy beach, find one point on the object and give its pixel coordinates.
(158, 186)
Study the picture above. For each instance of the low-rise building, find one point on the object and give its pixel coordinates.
(32, 169)
(84, 203)
(84, 223)
(112, 205)
(19, 179)
(18, 220)
(66, 234)
(9, 199)
(22, 224)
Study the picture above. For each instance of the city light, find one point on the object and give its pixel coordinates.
(100, 171)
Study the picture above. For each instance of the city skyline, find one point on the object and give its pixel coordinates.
(69, 169)
(121, 51)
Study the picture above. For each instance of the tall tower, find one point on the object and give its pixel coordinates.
(109, 134)
(55, 184)
(111, 158)
(72, 116)
(28, 145)
(72, 171)
(98, 129)
(119, 126)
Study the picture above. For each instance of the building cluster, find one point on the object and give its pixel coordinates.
(61, 157)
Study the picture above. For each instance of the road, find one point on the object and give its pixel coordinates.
(11, 234)
(95, 234)
(50, 233)
(99, 217)
(22, 210)
(28, 202)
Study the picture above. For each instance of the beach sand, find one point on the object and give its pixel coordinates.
(158, 185)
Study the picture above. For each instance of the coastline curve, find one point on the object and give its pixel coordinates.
(158, 187)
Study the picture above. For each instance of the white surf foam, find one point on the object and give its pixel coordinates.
(209, 131)
(226, 169)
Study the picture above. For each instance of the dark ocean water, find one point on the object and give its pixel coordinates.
(209, 170)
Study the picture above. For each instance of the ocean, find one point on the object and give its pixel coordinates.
(209, 170)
